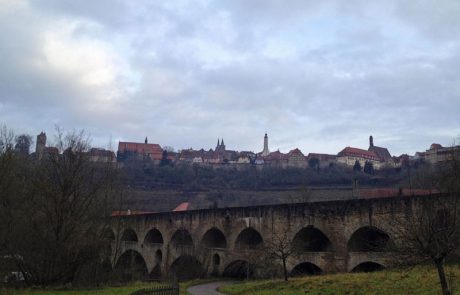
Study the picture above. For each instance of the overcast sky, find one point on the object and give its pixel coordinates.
(317, 75)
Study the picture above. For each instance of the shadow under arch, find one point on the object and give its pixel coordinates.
(131, 266)
(368, 266)
(153, 236)
(181, 237)
(187, 267)
(214, 238)
(129, 235)
(108, 235)
(239, 269)
(248, 238)
(311, 239)
(306, 268)
(368, 239)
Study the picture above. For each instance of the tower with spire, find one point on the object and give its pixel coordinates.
(220, 145)
(265, 152)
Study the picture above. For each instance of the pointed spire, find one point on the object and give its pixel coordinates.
(146, 141)
(222, 143)
(218, 142)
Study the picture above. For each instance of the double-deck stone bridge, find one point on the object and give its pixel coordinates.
(332, 236)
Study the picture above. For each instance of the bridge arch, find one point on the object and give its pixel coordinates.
(239, 269)
(131, 266)
(368, 239)
(368, 266)
(311, 239)
(108, 234)
(129, 235)
(181, 237)
(187, 267)
(249, 238)
(214, 238)
(306, 268)
(153, 236)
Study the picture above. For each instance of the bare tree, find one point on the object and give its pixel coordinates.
(280, 248)
(11, 194)
(430, 230)
(68, 198)
(23, 143)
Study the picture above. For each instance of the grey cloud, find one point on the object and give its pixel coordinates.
(193, 71)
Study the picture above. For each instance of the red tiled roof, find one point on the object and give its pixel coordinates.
(355, 152)
(274, 156)
(295, 151)
(321, 157)
(381, 152)
(154, 150)
(182, 207)
(129, 212)
(435, 146)
(101, 153)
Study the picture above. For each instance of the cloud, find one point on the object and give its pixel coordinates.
(314, 75)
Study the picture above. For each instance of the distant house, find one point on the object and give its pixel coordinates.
(134, 150)
(438, 154)
(381, 152)
(324, 160)
(102, 155)
(197, 160)
(295, 158)
(349, 155)
(275, 159)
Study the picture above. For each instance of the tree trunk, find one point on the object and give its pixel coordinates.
(442, 277)
(285, 270)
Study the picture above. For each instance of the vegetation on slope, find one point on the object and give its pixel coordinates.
(418, 280)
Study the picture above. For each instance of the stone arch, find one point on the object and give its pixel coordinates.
(214, 238)
(108, 234)
(153, 236)
(306, 268)
(368, 239)
(131, 266)
(129, 235)
(248, 238)
(181, 238)
(239, 269)
(311, 239)
(368, 266)
(187, 267)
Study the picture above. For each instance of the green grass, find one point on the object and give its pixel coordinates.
(421, 280)
(122, 290)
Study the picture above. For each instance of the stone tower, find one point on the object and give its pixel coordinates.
(220, 146)
(265, 152)
(371, 141)
(40, 145)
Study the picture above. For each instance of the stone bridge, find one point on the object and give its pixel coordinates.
(332, 236)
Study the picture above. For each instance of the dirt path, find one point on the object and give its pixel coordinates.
(207, 289)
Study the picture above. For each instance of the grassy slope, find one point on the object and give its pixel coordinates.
(420, 280)
(123, 290)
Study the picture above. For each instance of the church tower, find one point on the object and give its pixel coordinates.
(265, 152)
(40, 145)
(371, 142)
